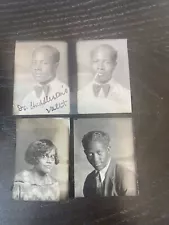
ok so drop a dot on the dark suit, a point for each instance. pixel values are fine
(119, 181)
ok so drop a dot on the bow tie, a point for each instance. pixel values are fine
(40, 89)
(98, 87)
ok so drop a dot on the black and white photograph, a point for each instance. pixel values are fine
(41, 83)
(42, 160)
(103, 76)
(104, 158)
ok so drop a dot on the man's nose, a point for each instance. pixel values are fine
(100, 66)
(95, 157)
(38, 66)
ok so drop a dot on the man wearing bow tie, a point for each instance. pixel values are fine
(108, 177)
(103, 94)
(49, 95)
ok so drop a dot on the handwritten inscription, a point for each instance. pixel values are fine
(57, 106)
(48, 99)
(44, 103)
(22, 108)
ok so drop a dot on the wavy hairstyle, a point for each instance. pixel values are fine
(37, 149)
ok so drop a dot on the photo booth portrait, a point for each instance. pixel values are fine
(103, 76)
(104, 158)
(41, 83)
(42, 160)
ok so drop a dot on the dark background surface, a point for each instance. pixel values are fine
(145, 23)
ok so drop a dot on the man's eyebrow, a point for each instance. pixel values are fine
(94, 58)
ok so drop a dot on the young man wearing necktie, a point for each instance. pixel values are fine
(103, 94)
(108, 177)
(49, 95)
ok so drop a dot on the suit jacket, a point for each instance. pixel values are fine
(56, 102)
(119, 181)
(117, 101)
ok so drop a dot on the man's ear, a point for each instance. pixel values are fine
(109, 148)
(56, 65)
(115, 63)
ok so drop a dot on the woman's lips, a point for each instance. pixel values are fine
(48, 167)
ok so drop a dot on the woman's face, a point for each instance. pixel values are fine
(46, 162)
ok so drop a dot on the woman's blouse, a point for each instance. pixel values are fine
(27, 187)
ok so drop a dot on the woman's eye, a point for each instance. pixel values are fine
(108, 62)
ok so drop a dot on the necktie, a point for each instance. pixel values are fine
(98, 184)
(39, 89)
(98, 87)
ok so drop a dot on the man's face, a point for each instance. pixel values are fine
(102, 65)
(97, 154)
(43, 66)
(46, 162)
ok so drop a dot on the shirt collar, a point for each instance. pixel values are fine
(104, 170)
(110, 82)
(49, 83)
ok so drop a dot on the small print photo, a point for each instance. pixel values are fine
(42, 160)
(103, 76)
(41, 78)
(104, 158)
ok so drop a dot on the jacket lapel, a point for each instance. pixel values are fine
(109, 179)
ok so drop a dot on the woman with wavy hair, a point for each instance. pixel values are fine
(37, 184)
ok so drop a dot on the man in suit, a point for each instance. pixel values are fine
(49, 95)
(103, 94)
(108, 178)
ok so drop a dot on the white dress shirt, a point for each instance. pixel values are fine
(57, 101)
(118, 99)
(104, 171)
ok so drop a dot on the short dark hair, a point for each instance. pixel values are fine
(55, 52)
(37, 149)
(95, 136)
(109, 47)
